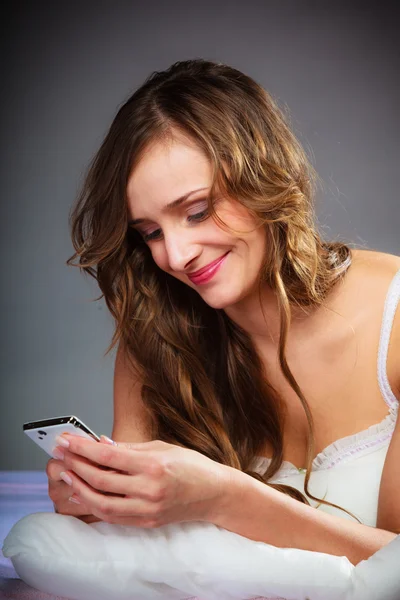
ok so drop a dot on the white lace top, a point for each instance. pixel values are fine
(348, 471)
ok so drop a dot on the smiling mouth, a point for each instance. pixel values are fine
(204, 269)
(206, 273)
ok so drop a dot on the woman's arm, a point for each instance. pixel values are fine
(132, 422)
(259, 512)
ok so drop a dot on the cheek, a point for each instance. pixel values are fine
(261, 241)
(256, 247)
(260, 248)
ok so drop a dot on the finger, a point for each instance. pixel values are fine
(59, 491)
(152, 445)
(60, 498)
(53, 469)
(114, 506)
(120, 458)
(62, 462)
(71, 508)
(106, 440)
(110, 481)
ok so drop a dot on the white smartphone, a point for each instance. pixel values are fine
(44, 432)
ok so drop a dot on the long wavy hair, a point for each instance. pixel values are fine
(203, 382)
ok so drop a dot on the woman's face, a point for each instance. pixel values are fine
(182, 238)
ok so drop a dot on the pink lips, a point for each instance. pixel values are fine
(204, 275)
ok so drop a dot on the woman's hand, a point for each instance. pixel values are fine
(145, 484)
(60, 492)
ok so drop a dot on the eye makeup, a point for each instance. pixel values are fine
(192, 217)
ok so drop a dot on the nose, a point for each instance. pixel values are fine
(181, 249)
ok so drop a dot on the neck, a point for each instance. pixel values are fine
(258, 315)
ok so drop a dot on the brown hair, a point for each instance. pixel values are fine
(204, 383)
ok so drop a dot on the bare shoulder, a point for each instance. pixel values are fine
(375, 263)
(365, 283)
(372, 275)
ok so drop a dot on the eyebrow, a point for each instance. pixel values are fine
(169, 207)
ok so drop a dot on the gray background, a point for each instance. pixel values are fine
(68, 66)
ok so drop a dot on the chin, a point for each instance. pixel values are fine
(222, 300)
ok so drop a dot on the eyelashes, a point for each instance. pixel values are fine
(200, 216)
(195, 218)
(151, 236)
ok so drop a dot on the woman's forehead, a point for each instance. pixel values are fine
(166, 173)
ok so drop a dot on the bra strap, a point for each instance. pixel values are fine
(391, 302)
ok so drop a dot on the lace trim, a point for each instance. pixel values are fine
(392, 299)
(341, 451)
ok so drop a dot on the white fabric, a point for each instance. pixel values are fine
(60, 555)
(63, 556)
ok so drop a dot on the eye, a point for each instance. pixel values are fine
(151, 236)
(200, 216)
(195, 218)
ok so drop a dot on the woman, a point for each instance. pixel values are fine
(247, 345)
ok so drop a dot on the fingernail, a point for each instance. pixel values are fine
(107, 440)
(62, 441)
(58, 453)
(74, 499)
(66, 478)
